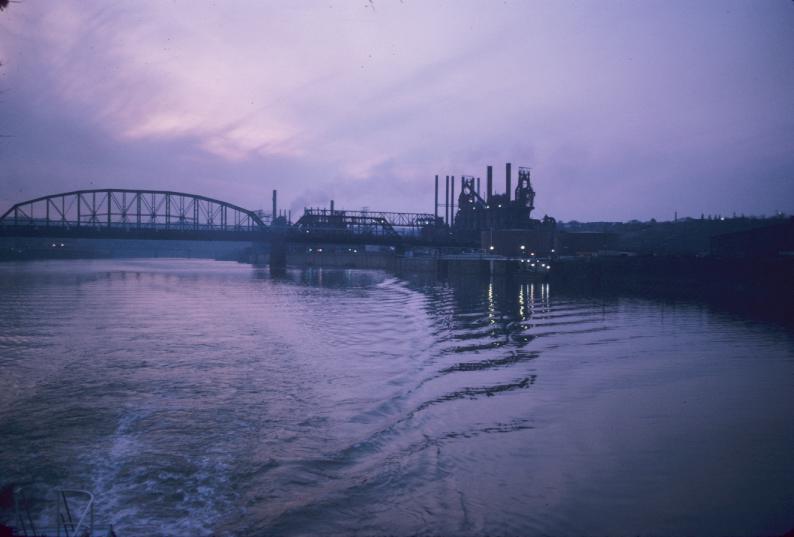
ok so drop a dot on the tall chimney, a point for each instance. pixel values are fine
(436, 209)
(332, 206)
(273, 219)
(478, 186)
(508, 180)
(446, 203)
(452, 199)
(489, 185)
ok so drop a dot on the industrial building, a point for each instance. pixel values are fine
(501, 223)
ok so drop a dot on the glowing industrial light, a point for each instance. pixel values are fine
(552, 250)
(523, 247)
(490, 247)
(61, 245)
(500, 205)
(319, 250)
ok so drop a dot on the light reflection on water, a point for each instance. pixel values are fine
(198, 397)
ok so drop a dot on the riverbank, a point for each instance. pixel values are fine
(761, 281)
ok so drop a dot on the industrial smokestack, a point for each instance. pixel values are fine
(508, 180)
(446, 203)
(478, 186)
(273, 219)
(332, 206)
(436, 209)
(489, 184)
(452, 199)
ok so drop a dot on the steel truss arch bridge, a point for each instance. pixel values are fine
(132, 213)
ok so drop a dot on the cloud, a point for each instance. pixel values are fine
(623, 111)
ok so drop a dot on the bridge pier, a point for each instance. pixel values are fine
(278, 253)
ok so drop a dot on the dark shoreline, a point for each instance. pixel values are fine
(763, 286)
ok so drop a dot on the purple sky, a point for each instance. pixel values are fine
(622, 109)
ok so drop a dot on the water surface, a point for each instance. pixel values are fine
(203, 397)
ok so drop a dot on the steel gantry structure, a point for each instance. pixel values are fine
(377, 225)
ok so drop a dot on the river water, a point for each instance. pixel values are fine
(202, 397)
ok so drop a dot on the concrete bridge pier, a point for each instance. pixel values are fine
(278, 253)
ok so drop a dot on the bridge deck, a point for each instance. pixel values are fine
(167, 215)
